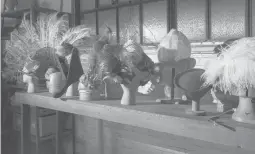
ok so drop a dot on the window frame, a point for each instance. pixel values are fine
(171, 20)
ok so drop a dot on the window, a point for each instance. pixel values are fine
(125, 1)
(253, 17)
(59, 5)
(107, 18)
(90, 21)
(129, 23)
(155, 24)
(228, 19)
(191, 19)
(105, 2)
(87, 4)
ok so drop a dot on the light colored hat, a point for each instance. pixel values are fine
(174, 47)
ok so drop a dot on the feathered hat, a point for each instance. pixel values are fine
(120, 59)
(226, 44)
(233, 71)
(48, 37)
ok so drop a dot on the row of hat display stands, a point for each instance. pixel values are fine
(37, 126)
(33, 129)
(149, 127)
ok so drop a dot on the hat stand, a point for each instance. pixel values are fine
(245, 112)
(167, 75)
(74, 73)
(190, 82)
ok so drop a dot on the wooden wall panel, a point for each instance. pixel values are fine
(124, 139)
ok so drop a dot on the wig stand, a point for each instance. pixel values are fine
(245, 111)
(172, 99)
(130, 90)
(129, 95)
(173, 68)
(195, 109)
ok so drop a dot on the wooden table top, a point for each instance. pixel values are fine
(147, 113)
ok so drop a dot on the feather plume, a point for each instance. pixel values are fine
(51, 29)
(76, 33)
(233, 71)
(27, 40)
(121, 60)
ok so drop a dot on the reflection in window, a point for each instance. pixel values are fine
(129, 23)
(107, 18)
(87, 4)
(228, 19)
(155, 24)
(191, 18)
(253, 17)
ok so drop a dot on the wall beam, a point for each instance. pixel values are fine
(117, 24)
(141, 22)
(104, 8)
(248, 18)
(76, 16)
(208, 20)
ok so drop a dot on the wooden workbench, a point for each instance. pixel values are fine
(147, 127)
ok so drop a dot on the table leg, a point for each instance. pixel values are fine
(172, 84)
(58, 131)
(37, 135)
(73, 133)
(25, 129)
(100, 138)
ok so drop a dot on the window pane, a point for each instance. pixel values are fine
(58, 5)
(253, 17)
(87, 4)
(228, 19)
(107, 18)
(129, 23)
(191, 18)
(90, 21)
(155, 24)
(27, 3)
(105, 2)
(125, 1)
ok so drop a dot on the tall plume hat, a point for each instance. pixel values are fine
(45, 39)
(233, 71)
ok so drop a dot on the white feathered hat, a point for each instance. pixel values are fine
(234, 70)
